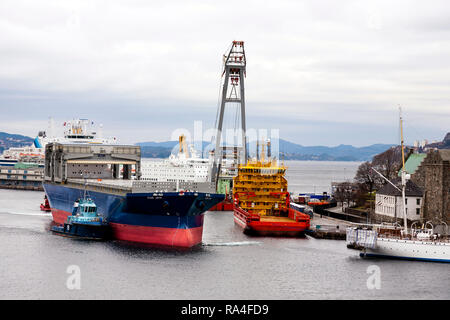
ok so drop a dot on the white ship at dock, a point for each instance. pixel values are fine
(385, 241)
(401, 242)
(75, 131)
(186, 166)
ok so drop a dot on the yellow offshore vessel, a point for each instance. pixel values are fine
(262, 200)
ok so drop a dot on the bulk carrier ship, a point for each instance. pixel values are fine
(151, 212)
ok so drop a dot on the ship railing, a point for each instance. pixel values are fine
(140, 186)
(377, 226)
(101, 186)
(247, 215)
(429, 240)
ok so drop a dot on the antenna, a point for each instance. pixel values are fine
(401, 137)
(404, 178)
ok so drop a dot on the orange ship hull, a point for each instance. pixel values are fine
(294, 225)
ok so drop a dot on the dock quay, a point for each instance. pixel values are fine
(346, 214)
(22, 177)
(328, 228)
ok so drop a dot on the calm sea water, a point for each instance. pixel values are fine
(229, 264)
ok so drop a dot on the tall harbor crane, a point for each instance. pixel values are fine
(234, 72)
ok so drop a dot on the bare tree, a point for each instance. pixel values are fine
(366, 177)
(345, 192)
(389, 162)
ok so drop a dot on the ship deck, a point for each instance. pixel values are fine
(111, 182)
(275, 219)
(140, 186)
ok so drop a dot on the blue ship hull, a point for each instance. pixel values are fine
(169, 219)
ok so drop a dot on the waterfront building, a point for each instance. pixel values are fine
(388, 202)
(22, 176)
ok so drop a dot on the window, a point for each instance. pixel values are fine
(406, 200)
(418, 211)
(418, 201)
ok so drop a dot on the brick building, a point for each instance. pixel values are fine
(436, 168)
(431, 172)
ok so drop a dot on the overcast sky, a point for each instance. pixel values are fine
(323, 72)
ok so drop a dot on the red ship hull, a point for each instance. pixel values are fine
(294, 225)
(182, 238)
(223, 206)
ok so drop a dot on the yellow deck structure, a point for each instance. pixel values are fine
(261, 188)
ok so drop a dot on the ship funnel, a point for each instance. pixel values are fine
(183, 145)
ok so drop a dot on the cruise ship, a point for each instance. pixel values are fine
(75, 131)
(13, 156)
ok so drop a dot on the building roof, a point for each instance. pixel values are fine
(412, 190)
(413, 162)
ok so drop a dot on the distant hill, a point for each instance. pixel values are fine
(160, 149)
(165, 144)
(292, 151)
(444, 144)
(8, 140)
(155, 152)
(288, 150)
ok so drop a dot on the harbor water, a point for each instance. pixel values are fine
(36, 264)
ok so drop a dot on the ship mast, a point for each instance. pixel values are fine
(232, 92)
(404, 177)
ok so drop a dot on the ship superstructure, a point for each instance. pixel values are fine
(261, 188)
(75, 131)
(185, 166)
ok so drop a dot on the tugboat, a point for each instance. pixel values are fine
(84, 223)
(46, 205)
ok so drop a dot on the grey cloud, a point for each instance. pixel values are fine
(352, 61)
